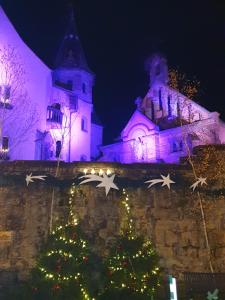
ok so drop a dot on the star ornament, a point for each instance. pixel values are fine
(105, 181)
(200, 181)
(165, 180)
(213, 296)
(30, 178)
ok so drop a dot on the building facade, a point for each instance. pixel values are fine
(46, 114)
(166, 125)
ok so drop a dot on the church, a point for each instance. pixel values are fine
(48, 114)
(165, 126)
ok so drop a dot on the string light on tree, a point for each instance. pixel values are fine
(63, 268)
(132, 264)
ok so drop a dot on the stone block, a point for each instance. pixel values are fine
(6, 236)
(171, 238)
(189, 238)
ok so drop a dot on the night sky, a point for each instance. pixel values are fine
(118, 36)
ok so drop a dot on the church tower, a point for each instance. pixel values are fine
(71, 68)
(73, 77)
(158, 70)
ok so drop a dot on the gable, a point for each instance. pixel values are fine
(138, 125)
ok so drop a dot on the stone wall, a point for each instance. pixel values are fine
(171, 218)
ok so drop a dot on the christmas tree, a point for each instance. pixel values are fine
(66, 269)
(132, 266)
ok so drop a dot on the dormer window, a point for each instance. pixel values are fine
(54, 113)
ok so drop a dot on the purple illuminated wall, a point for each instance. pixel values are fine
(62, 100)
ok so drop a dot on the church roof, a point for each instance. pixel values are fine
(71, 54)
(138, 119)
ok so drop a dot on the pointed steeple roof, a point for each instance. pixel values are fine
(71, 54)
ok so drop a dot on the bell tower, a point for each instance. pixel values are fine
(158, 70)
(71, 69)
(72, 85)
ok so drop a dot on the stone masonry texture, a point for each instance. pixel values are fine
(170, 218)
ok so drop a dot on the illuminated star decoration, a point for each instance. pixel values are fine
(213, 296)
(30, 178)
(165, 181)
(200, 180)
(105, 181)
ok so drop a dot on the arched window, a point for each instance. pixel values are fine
(84, 124)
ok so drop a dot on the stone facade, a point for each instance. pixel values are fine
(171, 218)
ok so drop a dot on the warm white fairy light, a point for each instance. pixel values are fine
(121, 259)
(108, 172)
(100, 172)
(72, 220)
(97, 171)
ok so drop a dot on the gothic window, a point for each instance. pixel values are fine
(84, 90)
(58, 148)
(178, 109)
(160, 100)
(84, 124)
(169, 106)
